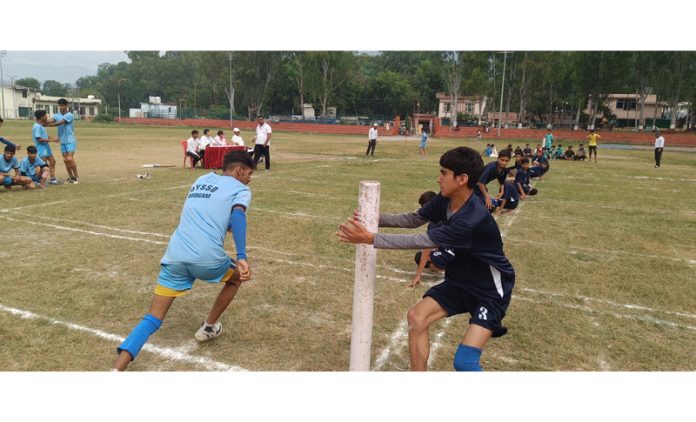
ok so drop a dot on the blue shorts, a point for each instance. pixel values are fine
(43, 151)
(422, 145)
(486, 311)
(35, 178)
(69, 147)
(180, 277)
(7, 181)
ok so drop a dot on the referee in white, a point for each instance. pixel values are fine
(659, 146)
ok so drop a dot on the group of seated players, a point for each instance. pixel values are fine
(515, 185)
(30, 173)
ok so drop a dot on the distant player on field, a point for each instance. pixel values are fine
(64, 119)
(215, 205)
(42, 141)
(592, 139)
(423, 142)
(479, 280)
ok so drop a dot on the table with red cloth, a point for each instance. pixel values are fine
(214, 155)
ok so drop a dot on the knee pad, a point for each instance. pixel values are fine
(467, 358)
(137, 338)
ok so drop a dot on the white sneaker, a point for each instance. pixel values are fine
(208, 333)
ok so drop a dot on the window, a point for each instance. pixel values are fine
(25, 93)
(469, 107)
(446, 107)
(626, 104)
(55, 109)
(91, 111)
(82, 111)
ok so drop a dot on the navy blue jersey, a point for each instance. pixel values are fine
(511, 195)
(489, 173)
(475, 238)
(522, 177)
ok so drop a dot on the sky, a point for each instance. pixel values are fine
(61, 66)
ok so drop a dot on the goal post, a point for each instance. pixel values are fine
(365, 274)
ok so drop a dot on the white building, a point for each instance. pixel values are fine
(18, 102)
(154, 109)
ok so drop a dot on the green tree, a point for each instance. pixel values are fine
(29, 83)
(54, 88)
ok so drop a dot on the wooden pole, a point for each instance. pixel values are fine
(365, 273)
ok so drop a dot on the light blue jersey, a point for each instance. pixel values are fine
(66, 132)
(205, 220)
(7, 166)
(43, 149)
(29, 169)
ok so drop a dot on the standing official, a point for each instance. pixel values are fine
(263, 143)
(659, 146)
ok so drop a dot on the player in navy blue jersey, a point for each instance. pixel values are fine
(522, 180)
(493, 170)
(509, 198)
(478, 280)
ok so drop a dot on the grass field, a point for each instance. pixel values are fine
(605, 260)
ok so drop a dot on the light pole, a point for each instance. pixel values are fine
(502, 92)
(230, 96)
(118, 94)
(2, 83)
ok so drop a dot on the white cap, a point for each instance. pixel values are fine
(235, 129)
(375, 124)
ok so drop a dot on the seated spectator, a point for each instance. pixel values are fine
(509, 148)
(540, 165)
(580, 155)
(558, 152)
(569, 154)
(518, 159)
(236, 137)
(527, 151)
(508, 198)
(494, 151)
(34, 168)
(192, 148)
(219, 140)
(203, 142)
(7, 164)
(518, 150)
(522, 180)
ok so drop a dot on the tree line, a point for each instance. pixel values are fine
(537, 84)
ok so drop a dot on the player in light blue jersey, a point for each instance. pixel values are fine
(8, 163)
(34, 168)
(68, 144)
(215, 205)
(42, 141)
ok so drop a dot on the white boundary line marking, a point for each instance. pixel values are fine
(166, 352)
(95, 225)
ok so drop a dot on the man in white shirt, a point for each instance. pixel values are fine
(263, 143)
(192, 144)
(203, 143)
(659, 146)
(237, 138)
(372, 140)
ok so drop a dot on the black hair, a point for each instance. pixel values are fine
(10, 148)
(63, 101)
(205, 131)
(234, 158)
(193, 132)
(504, 153)
(220, 132)
(39, 114)
(426, 197)
(463, 160)
(524, 160)
(31, 149)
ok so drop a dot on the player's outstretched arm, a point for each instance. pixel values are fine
(353, 231)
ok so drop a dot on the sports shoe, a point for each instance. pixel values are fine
(75, 181)
(208, 333)
(70, 180)
(53, 182)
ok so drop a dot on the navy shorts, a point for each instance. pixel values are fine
(488, 312)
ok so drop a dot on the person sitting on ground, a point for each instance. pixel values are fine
(569, 155)
(435, 259)
(508, 198)
(580, 155)
(540, 165)
(487, 151)
(219, 139)
(494, 151)
(509, 148)
(34, 168)
(558, 152)
(522, 180)
(518, 160)
(537, 150)
(192, 148)
(8, 163)
(237, 138)
(527, 151)
(518, 150)
(493, 170)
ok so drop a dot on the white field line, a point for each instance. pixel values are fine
(100, 226)
(43, 204)
(584, 308)
(293, 214)
(609, 207)
(609, 302)
(137, 239)
(398, 336)
(599, 252)
(165, 352)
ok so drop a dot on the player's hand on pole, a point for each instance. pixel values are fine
(244, 270)
(353, 231)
